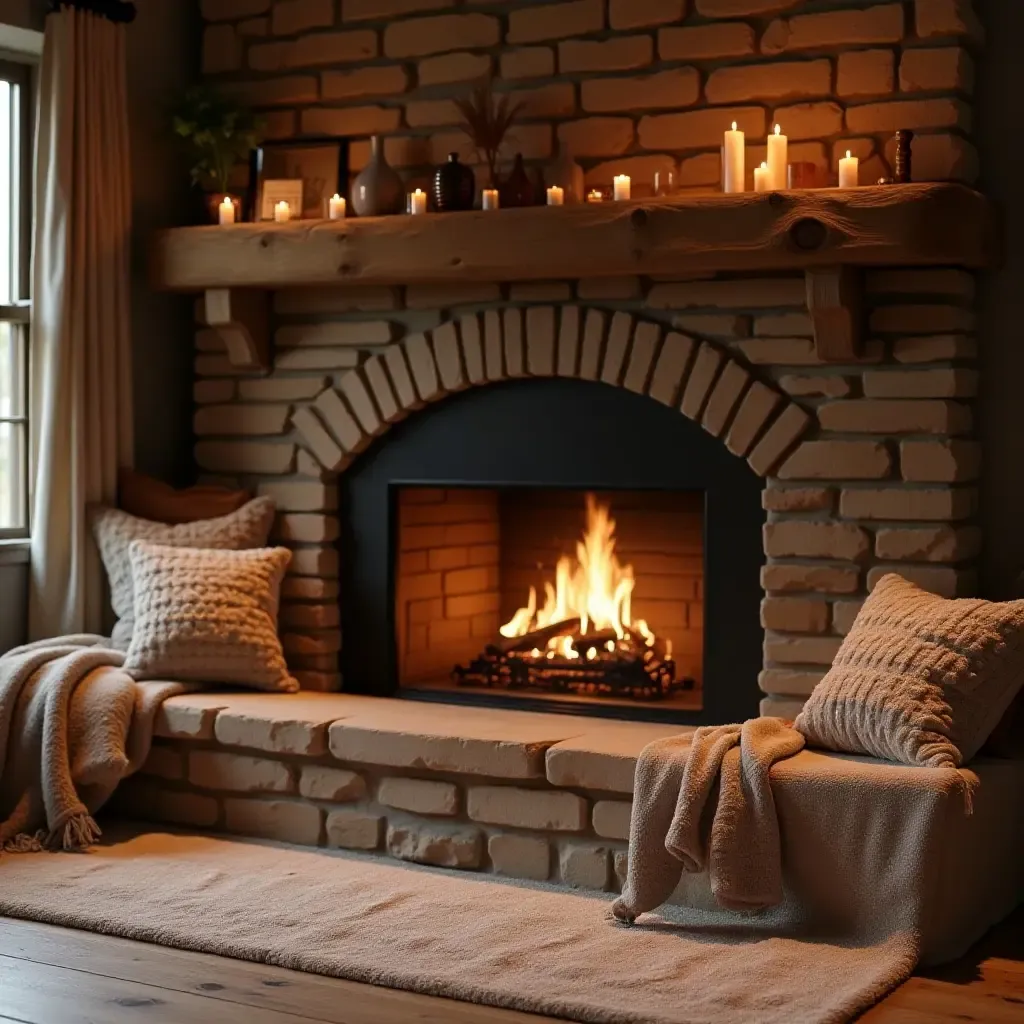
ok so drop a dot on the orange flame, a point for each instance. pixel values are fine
(594, 587)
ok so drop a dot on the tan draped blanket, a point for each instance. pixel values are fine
(72, 726)
(704, 802)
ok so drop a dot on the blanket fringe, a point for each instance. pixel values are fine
(25, 842)
(78, 832)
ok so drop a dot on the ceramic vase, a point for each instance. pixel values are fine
(517, 189)
(454, 186)
(378, 189)
(568, 176)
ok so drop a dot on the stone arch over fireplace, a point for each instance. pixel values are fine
(704, 382)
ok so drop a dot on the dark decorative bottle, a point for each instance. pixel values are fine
(902, 169)
(517, 189)
(454, 185)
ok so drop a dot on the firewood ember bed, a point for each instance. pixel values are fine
(600, 666)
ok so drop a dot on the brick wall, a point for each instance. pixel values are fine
(630, 86)
(869, 466)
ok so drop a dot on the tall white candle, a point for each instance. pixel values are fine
(226, 211)
(762, 178)
(849, 171)
(778, 159)
(621, 186)
(490, 199)
(733, 161)
(282, 212)
(418, 201)
(556, 196)
(337, 208)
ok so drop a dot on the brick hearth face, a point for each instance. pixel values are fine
(868, 467)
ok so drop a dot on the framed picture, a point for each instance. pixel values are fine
(317, 166)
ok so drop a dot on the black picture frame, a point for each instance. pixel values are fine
(287, 158)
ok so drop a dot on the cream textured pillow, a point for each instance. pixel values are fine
(919, 679)
(208, 616)
(114, 531)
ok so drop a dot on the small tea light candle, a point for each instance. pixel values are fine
(282, 212)
(594, 196)
(418, 201)
(226, 211)
(556, 196)
(733, 161)
(490, 199)
(336, 210)
(778, 159)
(849, 171)
(762, 178)
(621, 185)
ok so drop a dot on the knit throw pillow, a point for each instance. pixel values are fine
(919, 679)
(115, 530)
(208, 616)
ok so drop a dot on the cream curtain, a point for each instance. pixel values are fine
(81, 360)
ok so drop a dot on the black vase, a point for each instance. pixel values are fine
(454, 185)
(517, 189)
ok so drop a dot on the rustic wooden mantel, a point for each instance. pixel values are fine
(829, 234)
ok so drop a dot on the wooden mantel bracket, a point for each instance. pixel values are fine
(241, 316)
(835, 299)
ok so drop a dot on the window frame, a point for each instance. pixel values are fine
(19, 312)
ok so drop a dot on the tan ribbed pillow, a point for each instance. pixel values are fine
(114, 530)
(208, 616)
(920, 679)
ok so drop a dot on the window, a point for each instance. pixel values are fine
(15, 310)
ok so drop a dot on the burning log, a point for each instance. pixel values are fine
(590, 641)
(537, 638)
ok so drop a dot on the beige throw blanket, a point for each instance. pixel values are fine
(677, 824)
(72, 725)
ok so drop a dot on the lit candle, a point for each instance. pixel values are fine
(282, 212)
(337, 208)
(556, 196)
(418, 201)
(620, 183)
(849, 171)
(762, 178)
(226, 211)
(594, 196)
(733, 161)
(490, 199)
(778, 159)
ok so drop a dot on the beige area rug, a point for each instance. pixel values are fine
(475, 938)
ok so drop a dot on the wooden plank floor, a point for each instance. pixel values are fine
(56, 976)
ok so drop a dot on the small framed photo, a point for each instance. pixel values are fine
(281, 190)
(314, 169)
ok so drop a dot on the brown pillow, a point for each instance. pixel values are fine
(919, 679)
(149, 498)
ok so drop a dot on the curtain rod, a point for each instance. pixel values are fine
(115, 10)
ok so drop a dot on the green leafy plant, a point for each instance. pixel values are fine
(486, 119)
(220, 132)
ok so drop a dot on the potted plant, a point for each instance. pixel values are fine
(486, 119)
(221, 135)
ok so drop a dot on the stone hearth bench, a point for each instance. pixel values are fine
(547, 797)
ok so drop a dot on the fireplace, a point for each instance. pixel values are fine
(577, 595)
(637, 533)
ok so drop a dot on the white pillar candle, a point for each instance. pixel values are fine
(733, 165)
(282, 212)
(556, 196)
(778, 159)
(418, 201)
(762, 178)
(490, 199)
(621, 184)
(337, 208)
(595, 196)
(849, 171)
(226, 211)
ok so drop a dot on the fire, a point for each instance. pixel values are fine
(595, 587)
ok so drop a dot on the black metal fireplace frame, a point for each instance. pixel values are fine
(618, 441)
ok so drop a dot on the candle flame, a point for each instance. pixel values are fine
(734, 126)
(848, 154)
(778, 129)
(764, 165)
